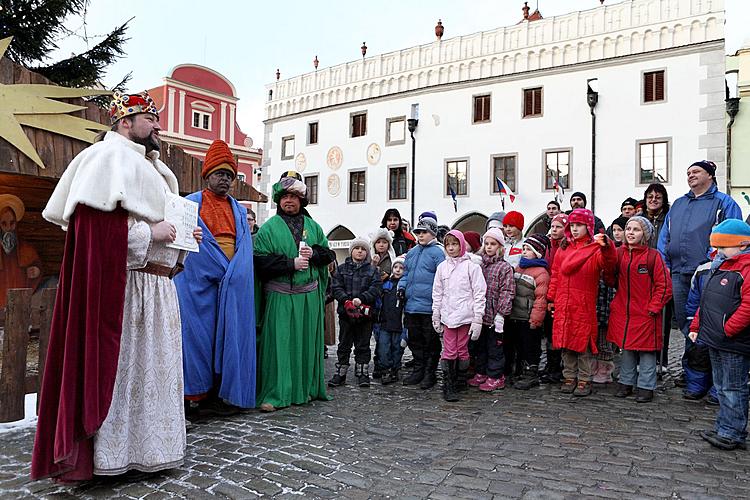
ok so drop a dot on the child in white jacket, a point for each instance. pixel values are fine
(458, 296)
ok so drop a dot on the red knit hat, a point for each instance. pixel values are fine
(473, 239)
(218, 157)
(515, 219)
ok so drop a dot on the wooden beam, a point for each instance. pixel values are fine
(15, 342)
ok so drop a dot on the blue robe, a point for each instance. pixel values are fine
(218, 315)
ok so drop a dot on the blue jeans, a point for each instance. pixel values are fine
(730, 379)
(389, 348)
(680, 291)
(638, 368)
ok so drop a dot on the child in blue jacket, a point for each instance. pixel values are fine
(415, 287)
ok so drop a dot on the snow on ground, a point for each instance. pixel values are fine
(29, 419)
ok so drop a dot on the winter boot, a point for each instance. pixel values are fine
(363, 377)
(430, 374)
(449, 372)
(582, 389)
(416, 375)
(529, 379)
(493, 384)
(462, 367)
(552, 372)
(339, 378)
(477, 380)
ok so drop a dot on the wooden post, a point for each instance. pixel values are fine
(13, 375)
(45, 324)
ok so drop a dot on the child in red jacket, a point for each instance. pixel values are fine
(530, 307)
(723, 323)
(643, 288)
(573, 292)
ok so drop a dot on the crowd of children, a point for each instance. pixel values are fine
(480, 307)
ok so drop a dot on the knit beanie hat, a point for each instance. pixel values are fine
(430, 214)
(579, 195)
(495, 220)
(580, 216)
(621, 221)
(473, 239)
(561, 218)
(706, 165)
(629, 201)
(730, 233)
(646, 226)
(514, 219)
(362, 243)
(218, 157)
(427, 224)
(496, 234)
(539, 243)
(399, 260)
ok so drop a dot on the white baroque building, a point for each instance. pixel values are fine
(511, 102)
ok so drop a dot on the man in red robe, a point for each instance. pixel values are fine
(20, 266)
(111, 395)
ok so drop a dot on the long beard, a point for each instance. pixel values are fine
(9, 242)
(150, 142)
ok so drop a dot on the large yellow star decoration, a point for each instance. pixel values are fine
(33, 105)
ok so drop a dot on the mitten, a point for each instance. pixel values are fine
(351, 310)
(499, 323)
(436, 325)
(475, 330)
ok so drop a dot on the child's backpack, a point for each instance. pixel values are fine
(524, 298)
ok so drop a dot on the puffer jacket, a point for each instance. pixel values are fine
(458, 294)
(698, 281)
(657, 221)
(574, 289)
(643, 289)
(419, 273)
(538, 297)
(684, 239)
(501, 288)
(723, 318)
(356, 280)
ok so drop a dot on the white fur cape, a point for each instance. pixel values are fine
(115, 170)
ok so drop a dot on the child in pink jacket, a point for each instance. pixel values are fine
(458, 296)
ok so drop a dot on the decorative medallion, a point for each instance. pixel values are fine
(334, 184)
(335, 157)
(300, 162)
(373, 154)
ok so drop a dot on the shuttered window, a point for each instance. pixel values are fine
(532, 102)
(653, 86)
(481, 108)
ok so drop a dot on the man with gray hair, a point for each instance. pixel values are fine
(20, 266)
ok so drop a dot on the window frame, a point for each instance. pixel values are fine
(493, 183)
(388, 122)
(540, 88)
(474, 99)
(317, 133)
(285, 155)
(202, 115)
(655, 140)
(352, 115)
(351, 172)
(466, 159)
(310, 200)
(545, 152)
(405, 166)
(643, 86)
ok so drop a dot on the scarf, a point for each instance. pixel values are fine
(524, 263)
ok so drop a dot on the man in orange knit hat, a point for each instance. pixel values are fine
(216, 297)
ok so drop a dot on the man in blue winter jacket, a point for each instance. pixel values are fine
(416, 288)
(684, 238)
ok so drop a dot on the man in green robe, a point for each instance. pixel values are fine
(291, 257)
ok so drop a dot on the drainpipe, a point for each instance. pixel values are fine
(592, 98)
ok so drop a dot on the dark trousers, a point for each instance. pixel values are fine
(355, 334)
(513, 345)
(529, 344)
(488, 353)
(554, 356)
(424, 341)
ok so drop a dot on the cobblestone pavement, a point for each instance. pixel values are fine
(402, 442)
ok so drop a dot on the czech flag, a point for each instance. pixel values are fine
(559, 191)
(505, 190)
(453, 195)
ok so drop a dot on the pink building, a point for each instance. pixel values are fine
(198, 105)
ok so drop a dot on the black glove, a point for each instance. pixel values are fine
(400, 294)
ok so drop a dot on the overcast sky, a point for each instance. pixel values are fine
(246, 40)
